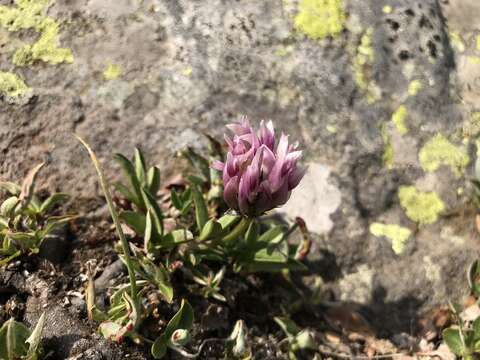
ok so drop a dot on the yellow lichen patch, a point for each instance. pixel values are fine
(30, 14)
(399, 235)
(475, 60)
(477, 42)
(387, 9)
(362, 65)
(187, 71)
(331, 129)
(439, 151)
(414, 87)
(398, 118)
(456, 41)
(283, 51)
(387, 156)
(12, 85)
(421, 207)
(112, 72)
(320, 18)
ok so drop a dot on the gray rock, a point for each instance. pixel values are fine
(191, 66)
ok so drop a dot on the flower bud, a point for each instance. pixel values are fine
(180, 337)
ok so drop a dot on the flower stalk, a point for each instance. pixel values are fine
(116, 220)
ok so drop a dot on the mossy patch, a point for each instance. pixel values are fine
(320, 18)
(112, 72)
(11, 85)
(398, 118)
(421, 207)
(439, 151)
(362, 67)
(31, 14)
(398, 235)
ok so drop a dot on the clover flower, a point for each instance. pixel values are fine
(259, 172)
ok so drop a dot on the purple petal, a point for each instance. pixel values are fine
(267, 134)
(282, 147)
(230, 193)
(218, 165)
(295, 177)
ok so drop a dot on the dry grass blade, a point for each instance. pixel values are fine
(29, 184)
(115, 218)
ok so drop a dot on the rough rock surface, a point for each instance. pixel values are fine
(381, 93)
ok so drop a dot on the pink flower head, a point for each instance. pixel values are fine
(259, 172)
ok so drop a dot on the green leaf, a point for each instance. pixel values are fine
(148, 234)
(212, 229)
(6, 260)
(8, 206)
(140, 167)
(130, 173)
(305, 340)
(10, 187)
(274, 235)
(54, 222)
(201, 212)
(453, 339)
(3, 223)
(153, 180)
(159, 347)
(287, 325)
(158, 276)
(251, 236)
(176, 237)
(476, 328)
(51, 201)
(155, 211)
(228, 221)
(126, 193)
(135, 220)
(176, 201)
(34, 339)
(183, 319)
(13, 336)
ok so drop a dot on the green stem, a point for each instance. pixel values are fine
(116, 220)
(238, 230)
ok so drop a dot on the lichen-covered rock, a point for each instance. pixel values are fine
(381, 93)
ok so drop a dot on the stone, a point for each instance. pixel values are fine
(189, 67)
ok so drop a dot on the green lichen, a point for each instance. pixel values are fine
(387, 156)
(320, 18)
(11, 85)
(439, 151)
(30, 14)
(399, 235)
(398, 118)
(421, 207)
(112, 72)
(414, 87)
(362, 65)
